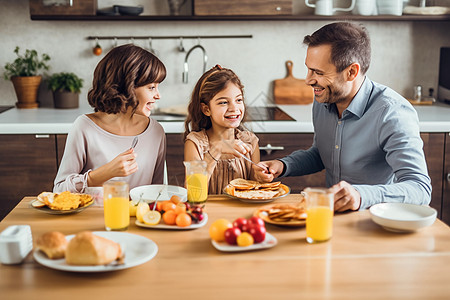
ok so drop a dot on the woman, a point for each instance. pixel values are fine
(98, 147)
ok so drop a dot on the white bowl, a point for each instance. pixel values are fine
(402, 217)
(148, 193)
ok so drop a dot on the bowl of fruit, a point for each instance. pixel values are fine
(241, 235)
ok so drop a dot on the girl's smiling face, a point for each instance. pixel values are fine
(146, 96)
(226, 109)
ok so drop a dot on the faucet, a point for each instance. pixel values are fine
(186, 65)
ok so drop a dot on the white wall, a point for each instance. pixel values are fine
(404, 53)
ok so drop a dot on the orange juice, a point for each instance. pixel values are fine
(117, 213)
(197, 187)
(319, 223)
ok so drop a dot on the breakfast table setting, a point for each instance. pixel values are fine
(361, 260)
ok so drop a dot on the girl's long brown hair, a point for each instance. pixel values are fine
(211, 83)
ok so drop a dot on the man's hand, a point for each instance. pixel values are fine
(271, 169)
(346, 197)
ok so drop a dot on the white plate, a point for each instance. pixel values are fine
(174, 227)
(150, 192)
(138, 250)
(269, 242)
(402, 217)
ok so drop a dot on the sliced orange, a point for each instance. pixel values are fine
(152, 217)
(141, 210)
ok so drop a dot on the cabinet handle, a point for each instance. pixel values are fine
(42, 136)
(269, 148)
(448, 177)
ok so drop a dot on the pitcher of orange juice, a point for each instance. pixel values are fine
(319, 214)
(196, 181)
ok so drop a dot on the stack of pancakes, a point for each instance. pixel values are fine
(286, 212)
(249, 189)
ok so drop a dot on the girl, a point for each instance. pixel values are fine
(98, 147)
(213, 130)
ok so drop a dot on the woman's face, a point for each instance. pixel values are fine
(227, 108)
(146, 96)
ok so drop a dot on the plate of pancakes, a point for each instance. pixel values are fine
(251, 191)
(62, 203)
(283, 214)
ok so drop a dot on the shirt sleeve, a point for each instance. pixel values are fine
(69, 177)
(303, 162)
(399, 138)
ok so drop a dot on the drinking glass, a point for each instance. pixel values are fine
(116, 206)
(196, 181)
(319, 214)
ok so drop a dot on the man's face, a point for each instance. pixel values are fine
(329, 85)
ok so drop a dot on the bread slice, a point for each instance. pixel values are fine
(53, 244)
(87, 248)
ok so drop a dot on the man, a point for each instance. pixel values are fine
(366, 136)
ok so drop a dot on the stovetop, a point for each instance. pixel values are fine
(5, 108)
(267, 113)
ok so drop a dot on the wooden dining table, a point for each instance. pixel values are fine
(361, 261)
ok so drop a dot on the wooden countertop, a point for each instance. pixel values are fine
(361, 261)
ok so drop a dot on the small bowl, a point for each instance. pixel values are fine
(402, 217)
(129, 10)
(150, 192)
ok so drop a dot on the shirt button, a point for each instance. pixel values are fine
(337, 147)
(339, 122)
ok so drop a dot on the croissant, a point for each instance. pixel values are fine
(86, 248)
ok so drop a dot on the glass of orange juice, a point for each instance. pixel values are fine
(196, 182)
(116, 206)
(319, 214)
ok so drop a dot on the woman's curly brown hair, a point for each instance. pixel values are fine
(119, 73)
(211, 83)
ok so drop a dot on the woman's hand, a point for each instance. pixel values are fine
(122, 165)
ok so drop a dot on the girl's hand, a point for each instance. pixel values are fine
(235, 147)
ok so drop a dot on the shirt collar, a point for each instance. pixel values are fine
(359, 102)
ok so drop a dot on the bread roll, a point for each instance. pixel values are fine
(53, 244)
(88, 249)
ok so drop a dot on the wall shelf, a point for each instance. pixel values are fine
(415, 18)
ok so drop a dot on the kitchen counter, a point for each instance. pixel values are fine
(433, 118)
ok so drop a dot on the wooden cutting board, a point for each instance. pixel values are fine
(291, 90)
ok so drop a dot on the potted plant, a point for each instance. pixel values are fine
(65, 87)
(24, 74)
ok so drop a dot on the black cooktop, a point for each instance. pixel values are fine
(267, 113)
(5, 108)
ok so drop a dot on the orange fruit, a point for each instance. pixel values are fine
(217, 229)
(183, 220)
(175, 199)
(180, 208)
(170, 217)
(168, 205)
(159, 205)
(245, 239)
(152, 217)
